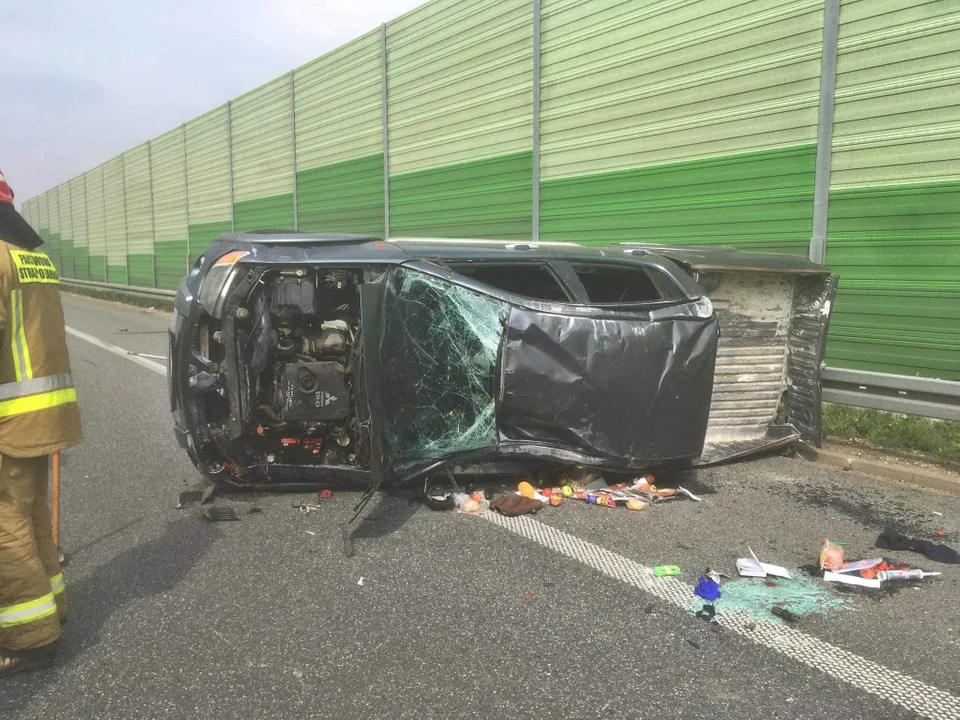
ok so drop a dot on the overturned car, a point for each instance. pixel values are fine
(304, 359)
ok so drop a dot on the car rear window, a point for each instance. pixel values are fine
(531, 280)
(621, 284)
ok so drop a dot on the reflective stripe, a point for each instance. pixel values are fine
(21, 354)
(28, 612)
(57, 584)
(32, 403)
(37, 385)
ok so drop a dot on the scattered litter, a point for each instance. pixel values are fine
(121, 330)
(305, 509)
(859, 565)
(326, 494)
(707, 589)
(885, 575)
(693, 643)
(831, 556)
(514, 505)
(752, 567)
(188, 498)
(360, 582)
(785, 614)
(939, 532)
(467, 505)
(215, 513)
(890, 539)
(311, 532)
(527, 596)
(663, 570)
(938, 514)
(846, 579)
(144, 355)
(634, 504)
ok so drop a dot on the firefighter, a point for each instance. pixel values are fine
(38, 416)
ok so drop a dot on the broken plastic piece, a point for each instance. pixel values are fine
(859, 565)
(707, 589)
(752, 567)
(664, 570)
(215, 513)
(188, 498)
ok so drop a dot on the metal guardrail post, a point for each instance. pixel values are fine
(535, 229)
(828, 87)
(385, 111)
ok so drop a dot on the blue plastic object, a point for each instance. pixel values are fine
(707, 589)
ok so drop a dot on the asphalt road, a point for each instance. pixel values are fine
(462, 616)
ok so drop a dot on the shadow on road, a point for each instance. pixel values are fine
(152, 568)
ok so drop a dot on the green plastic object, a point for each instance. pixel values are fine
(662, 570)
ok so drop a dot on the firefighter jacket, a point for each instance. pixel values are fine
(38, 403)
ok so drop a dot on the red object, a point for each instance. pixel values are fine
(527, 596)
(6, 194)
(939, 533)
(326, 494)
(289, 441)
(546, 492)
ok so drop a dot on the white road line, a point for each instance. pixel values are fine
(116, 350)
(866, 675)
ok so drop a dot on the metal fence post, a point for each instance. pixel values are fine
(153, 219)
(233, 222)
(186, 197)
(293, 144)
(126, 222)
(106, 248)
(828, 87)
(86, 222)
(536, 120)
(385, 107)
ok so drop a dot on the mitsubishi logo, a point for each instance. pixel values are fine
(323, 398)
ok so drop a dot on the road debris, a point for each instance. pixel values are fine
(514, 505)
(752, 567)
(664, 570)
(707, 588)
(219, 513)
(831, 556)
(850, 579)
(890, 539)
(326, 494)
(360, 582)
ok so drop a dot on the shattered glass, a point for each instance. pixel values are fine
(438, 351)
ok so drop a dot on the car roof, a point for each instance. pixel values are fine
(360, 248)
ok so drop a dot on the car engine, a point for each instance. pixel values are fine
(298, 358)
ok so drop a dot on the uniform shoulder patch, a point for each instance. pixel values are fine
(34, 267)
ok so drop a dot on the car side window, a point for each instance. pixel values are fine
(626, 284)
(528, 279)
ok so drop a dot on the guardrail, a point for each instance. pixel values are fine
(894, 393)
(133, 291)
(880, 391)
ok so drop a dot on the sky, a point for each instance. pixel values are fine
(81, 82)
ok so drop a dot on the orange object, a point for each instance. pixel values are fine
(526, 489)
(556, 500)
(939, 533)
(477, 497)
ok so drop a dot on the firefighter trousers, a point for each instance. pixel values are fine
(32, 597)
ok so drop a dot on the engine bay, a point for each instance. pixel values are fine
(293, 339)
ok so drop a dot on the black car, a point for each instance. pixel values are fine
(305, 359)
